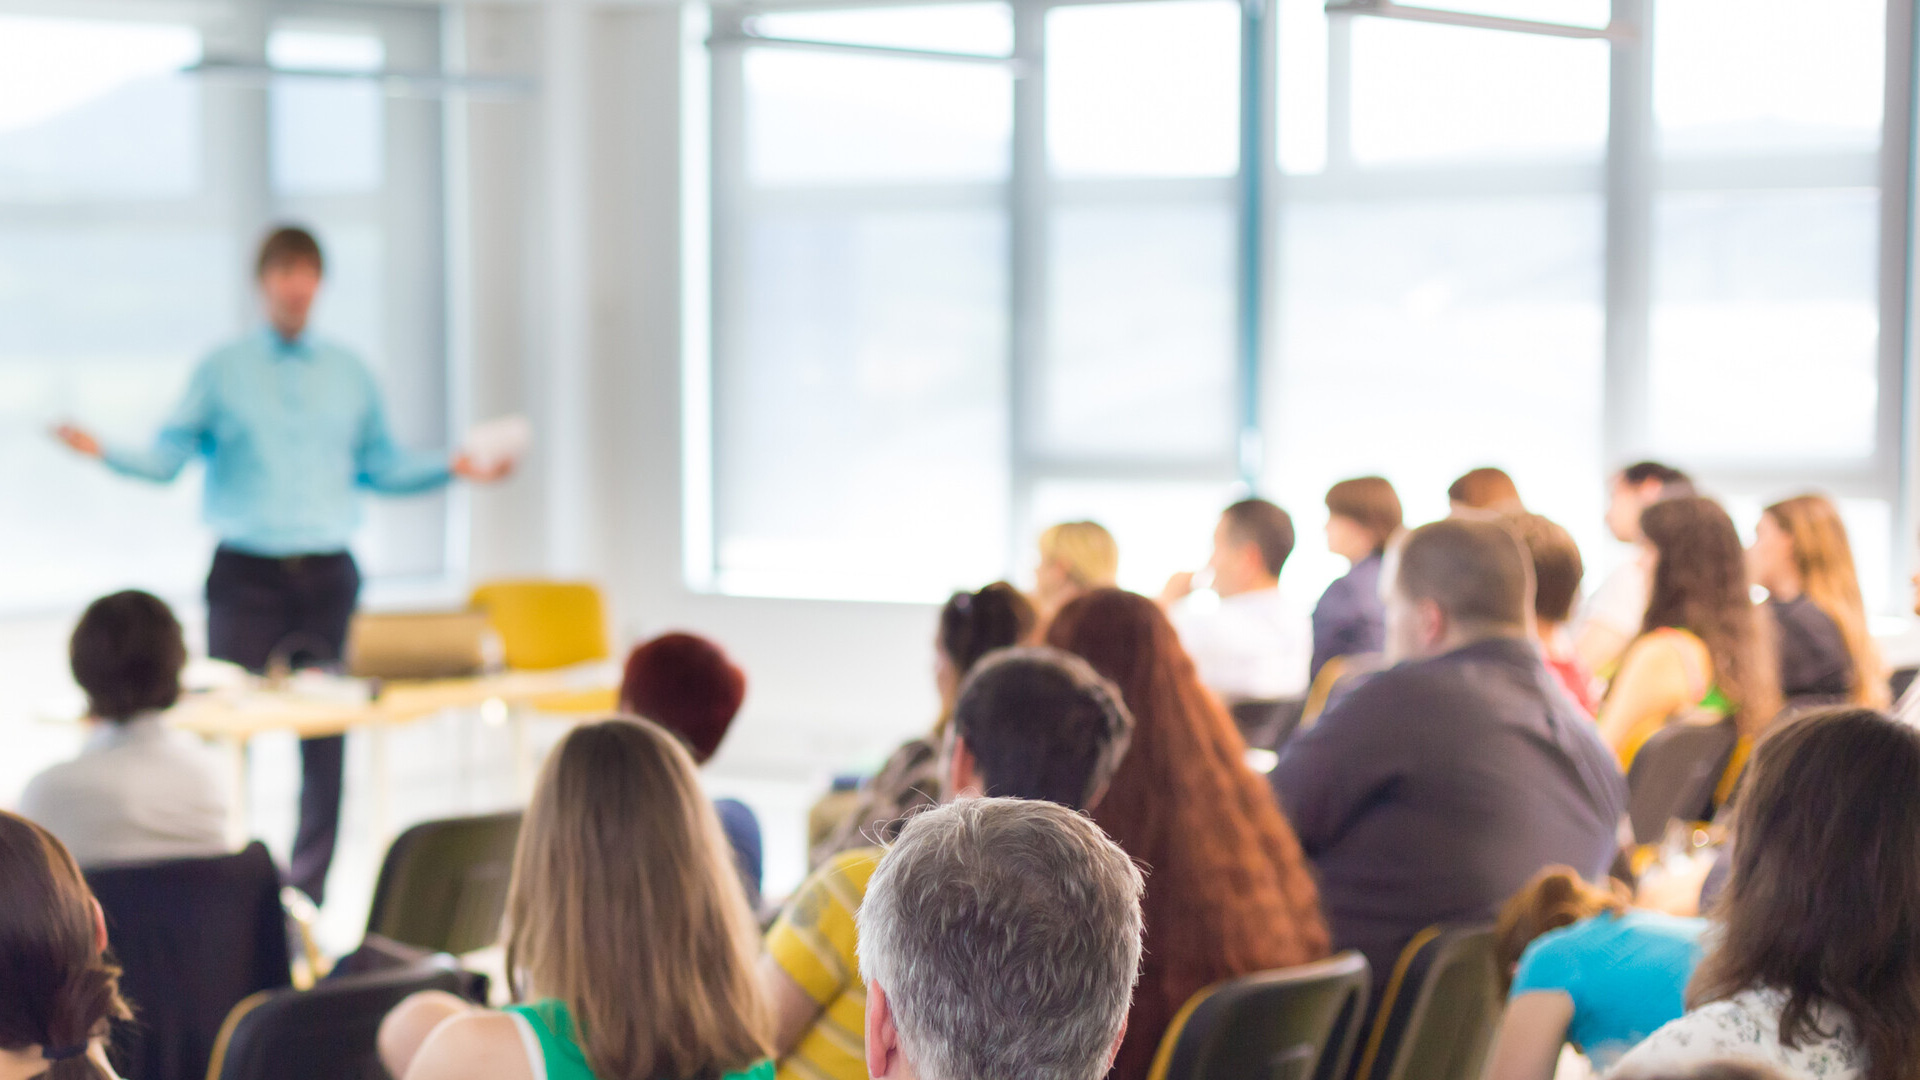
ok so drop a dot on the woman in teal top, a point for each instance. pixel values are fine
(629, 943)
(1590, 971)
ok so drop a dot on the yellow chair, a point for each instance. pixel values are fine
(545, 624)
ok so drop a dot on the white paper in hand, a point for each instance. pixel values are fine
(500, 441)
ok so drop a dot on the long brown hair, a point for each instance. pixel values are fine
(626, 906)
(1700, 585)
(1823, 902)
(1228, 889)
(57, 991)
(1557, 896)
(1824, 559)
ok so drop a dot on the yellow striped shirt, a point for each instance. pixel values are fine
(813, 942)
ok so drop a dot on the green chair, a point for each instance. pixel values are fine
(1295, 1023)
(443, 886)
(1439, 1009)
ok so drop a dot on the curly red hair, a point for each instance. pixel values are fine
(1229, 891)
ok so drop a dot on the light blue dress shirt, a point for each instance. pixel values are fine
(290, 430)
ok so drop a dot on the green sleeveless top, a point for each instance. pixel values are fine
(560, 1056)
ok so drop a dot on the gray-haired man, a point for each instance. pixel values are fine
(999, 940)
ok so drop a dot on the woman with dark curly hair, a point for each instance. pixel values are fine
(57, 990)
(1228, 888)
(1813, 965)
(1703, 653)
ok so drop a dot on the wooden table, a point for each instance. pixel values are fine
(233, 716)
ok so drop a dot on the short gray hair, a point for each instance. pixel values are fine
(1006, 934)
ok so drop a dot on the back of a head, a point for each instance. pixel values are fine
(1557, 896)
(1674, 484)
(1557, 567)
(1371, 503)
(126, 653)
(1476, 571)
(56, 990)
(1265, 526)
(1823, 901)
(1006, 935)
(625, 904)
(973, 624)
(1041, 724)
(687, 685)
(1700, 585)
(1824, 558)
(1085, 550)
(1486, 488)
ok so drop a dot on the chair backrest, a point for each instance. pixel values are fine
(327, 1033)
(1439, 1009)
(545, 624)
(1336, 677)
(194, 937)
(443, 885)
(1674, 775)
(1265, 725)
(1292, 1024)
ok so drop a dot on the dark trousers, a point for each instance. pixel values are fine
(290, 613)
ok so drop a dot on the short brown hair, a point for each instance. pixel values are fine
(126, 654)
(1264, 525)
(1369, 502)
(1475, 570)
(287, 244)
(1486, 488)
(1557, 567)
(687, 685)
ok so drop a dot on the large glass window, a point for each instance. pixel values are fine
(125, 257)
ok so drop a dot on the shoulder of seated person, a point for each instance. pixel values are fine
(481, 1043)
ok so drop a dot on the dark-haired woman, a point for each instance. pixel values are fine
(1228, 888)
(1584, 968)
(57, 990)
(1703, 654)
(972, 624)
(1813, 965)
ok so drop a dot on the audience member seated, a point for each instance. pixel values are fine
(1076, 557)
(1800, 555)
(1363, 517)
(1557, 569)
(1611, 618)
(629, 944)
(971, 626)
(1484, 490)
(1438, 787)
(999, 941)
(1813, 962)
(58, 990)
(687, 685)
(1228, 890)
(139, 791)
(1585, 969)
(1255, 644)
(1029, 723)
(1702, 654)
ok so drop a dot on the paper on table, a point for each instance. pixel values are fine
(500, 440)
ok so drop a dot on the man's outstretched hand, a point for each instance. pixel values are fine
(77, 440)
(466, 468)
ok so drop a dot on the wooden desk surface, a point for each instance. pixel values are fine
(240, 714)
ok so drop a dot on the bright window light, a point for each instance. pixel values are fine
(327, 132)
(982, 29)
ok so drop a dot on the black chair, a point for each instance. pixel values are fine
(1674, 775)
(1900, 679)
(1292, 1024)
(194, 937)
(327, 1033)
(1439, 1009)
(443, 886)
(1266, 725)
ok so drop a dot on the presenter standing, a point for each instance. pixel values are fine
(290, 427)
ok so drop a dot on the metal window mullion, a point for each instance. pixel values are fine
(727, 252)
(1027, 295)
(1256, 148)
(1629, 235)
(1894, 440)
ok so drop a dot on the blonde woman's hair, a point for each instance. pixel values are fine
(625, 905)
(1086, 550)
(1825, 560)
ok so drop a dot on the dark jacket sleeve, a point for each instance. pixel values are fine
(1329, 774)
(1336, 625)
